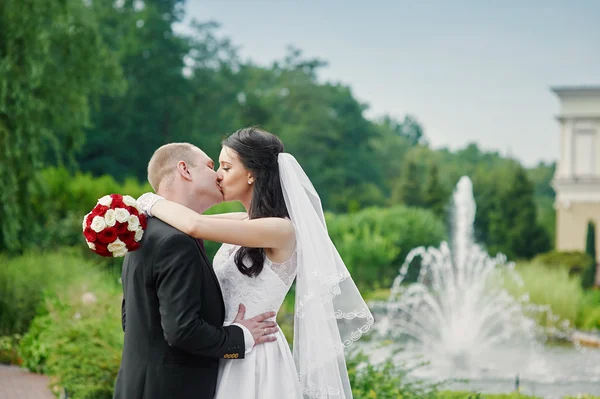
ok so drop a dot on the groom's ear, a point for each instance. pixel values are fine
(184, 170)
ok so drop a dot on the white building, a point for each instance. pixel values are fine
(577, 178)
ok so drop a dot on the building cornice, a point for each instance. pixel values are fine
(572, 190)
(576, 91)
(578, 117)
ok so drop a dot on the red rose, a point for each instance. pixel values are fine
(133, 246)
(132, 210)
(88, 220)
(99, 210)
(89, 234)
(107, 235)
(102, 250)
(128, 238)
(117, 197)
(143, 221)
(121, 228)
(118, 203)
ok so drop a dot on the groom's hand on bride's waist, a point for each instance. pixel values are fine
(260, 327)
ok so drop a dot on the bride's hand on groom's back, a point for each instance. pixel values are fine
(261, 329)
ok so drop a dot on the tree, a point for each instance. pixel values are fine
(435, 196)
(413, 131)
(128, 128)
(54, 64)
(506, 219)
(512, 217)
(408, 190)
(588, 279)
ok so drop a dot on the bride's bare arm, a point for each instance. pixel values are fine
(275, 233)
(230, 215)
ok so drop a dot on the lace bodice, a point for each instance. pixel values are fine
(263, 293)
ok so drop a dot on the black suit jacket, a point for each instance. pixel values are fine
(172, 316)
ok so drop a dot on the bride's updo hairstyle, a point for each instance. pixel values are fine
(258, 151)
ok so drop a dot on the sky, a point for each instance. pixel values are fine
(468, 70)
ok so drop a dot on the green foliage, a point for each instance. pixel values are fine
(374, 242)
(541, 176)
(547, 216)
(77, 341)
(588, 317)
(408, 190)
(23, 281)
(385, 381)
(506, 219)
(588, 279)
(548, 286)
(561, 290)
(50, 73)
(9, 349)
(435, 196)
(574, 261)
(474, 395)
(154, 109)
(58, 221)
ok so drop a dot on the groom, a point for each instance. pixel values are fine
(172, 310)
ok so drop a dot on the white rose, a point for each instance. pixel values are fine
(91, 245)
(129, 200)
(110, 218)
(133, 223)
(84, 223)
(98, 224)
(116, 246)
(119, 254)
(106, 200)
(138, 234)
(122, 215)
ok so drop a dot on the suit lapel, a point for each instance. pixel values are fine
(212, 272)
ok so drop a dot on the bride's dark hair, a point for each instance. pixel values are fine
(258, 150)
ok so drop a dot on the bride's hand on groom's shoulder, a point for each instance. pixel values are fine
(146, 201)
(261, 329)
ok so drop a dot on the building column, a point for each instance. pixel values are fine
(569, 144)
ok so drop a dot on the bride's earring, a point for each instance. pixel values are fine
(249, 181)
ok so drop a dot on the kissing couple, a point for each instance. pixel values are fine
(199, 331)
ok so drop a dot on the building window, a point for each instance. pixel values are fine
(584, 158)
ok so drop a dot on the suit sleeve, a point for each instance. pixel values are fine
(178, 284)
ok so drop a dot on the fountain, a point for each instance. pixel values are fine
(458, 317)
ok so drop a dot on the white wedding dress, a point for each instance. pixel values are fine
(268, 371)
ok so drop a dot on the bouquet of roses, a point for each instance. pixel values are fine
(115, 226)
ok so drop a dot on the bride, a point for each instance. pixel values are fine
(281, 237)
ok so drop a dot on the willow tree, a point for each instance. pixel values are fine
(53, 64)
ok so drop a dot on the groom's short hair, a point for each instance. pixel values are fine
(165, 159)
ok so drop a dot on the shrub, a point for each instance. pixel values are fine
(588, 317)
(384, 381)
(62, 200)
(588, 277)
(9, 349)
(374, 242)
(23, 281)
(574, 261)
(547, 286)
(77, 339)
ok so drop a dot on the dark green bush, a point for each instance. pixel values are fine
(574, 261)
(375, 241)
